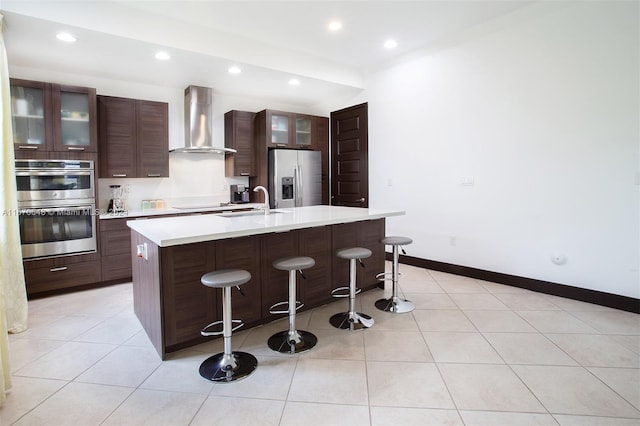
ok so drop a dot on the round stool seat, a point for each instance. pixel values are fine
(396, 241)
(225, 278)
(353, 253)
(293, 263)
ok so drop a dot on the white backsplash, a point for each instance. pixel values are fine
(194, 179)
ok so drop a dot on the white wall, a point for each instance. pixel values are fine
(542, 111)
(193, 178)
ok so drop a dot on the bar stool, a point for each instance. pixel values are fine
(394, 304)
(292, 341)
(229, 365)
(351, 320)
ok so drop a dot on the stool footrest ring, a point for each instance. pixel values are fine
(299, 305)
(206, 333)
(336, 291)
(386, 276)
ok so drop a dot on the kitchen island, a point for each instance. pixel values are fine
(171, 254)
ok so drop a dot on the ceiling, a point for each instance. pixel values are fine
(271, 41)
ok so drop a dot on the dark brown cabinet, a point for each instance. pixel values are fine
(49, 117)
(51, 278)
(275, 283)
(316, 243)
(174, 306)
(188, 306)
(115, 249)
(133, 138)
(238, 134)
(366, 234)
(242, 253)
(280, 129)
(60, 274)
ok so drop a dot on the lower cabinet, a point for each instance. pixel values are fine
(316, 243)
(242, 253)
(115, 249)
(188, 305)
(185, 306)
(47, 279)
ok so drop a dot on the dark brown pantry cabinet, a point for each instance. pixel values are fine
(52, 118)
(133, 138)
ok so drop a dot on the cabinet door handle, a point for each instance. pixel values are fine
(244, 174)
(75, 148)
(58, 269)
(28, 147)
(360, 200)
(153, 174)
(119, 175)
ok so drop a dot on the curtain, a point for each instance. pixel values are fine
(13, 294)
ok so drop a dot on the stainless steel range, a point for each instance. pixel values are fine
(56, 207)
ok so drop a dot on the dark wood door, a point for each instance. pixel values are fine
(117, 136)
(152, 125)
(349, 157)
(243, 253)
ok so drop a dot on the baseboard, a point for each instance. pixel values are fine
(616, 301)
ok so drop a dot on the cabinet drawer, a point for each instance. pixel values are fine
(57, 277)
(116, 267)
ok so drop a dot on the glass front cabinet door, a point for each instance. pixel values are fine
(31, 115)
(51, 117)
(74, 111)
(303, 130)
(279, 129)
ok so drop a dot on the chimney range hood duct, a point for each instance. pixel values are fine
(198, 118)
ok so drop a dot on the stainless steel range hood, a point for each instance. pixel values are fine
(198, 118)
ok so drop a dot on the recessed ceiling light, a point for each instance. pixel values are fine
(163, 56)
(390, 44)
(335, 25)
(66, 37)
(234, 70)
(294, 82)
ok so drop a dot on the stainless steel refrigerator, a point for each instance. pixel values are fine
(295, 178)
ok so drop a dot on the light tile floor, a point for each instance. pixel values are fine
(473, 352)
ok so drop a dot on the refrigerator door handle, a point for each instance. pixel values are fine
(300, 186)
(296, 185)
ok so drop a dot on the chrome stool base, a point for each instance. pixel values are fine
(285, 343)
(399, 306)
(351, 321)
(221, 368)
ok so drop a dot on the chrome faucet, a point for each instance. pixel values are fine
(266, 208)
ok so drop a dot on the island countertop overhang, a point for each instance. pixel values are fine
(172, 231)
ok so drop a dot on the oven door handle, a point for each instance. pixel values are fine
(42, 211)
(54, 172)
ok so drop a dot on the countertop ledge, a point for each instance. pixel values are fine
(172, 231)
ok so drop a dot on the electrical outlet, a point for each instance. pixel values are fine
(127, 188)
(466, 180)
(453, 240)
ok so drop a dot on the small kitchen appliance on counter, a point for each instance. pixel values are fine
(116, 203)
(239, 194)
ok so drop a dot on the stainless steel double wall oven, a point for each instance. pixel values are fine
(56, 207)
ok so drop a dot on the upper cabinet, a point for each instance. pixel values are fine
(238, 134)
(287, 129)
(52, 117)
(134, 138)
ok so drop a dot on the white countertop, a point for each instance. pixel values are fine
(172, 231)
(186, 209)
